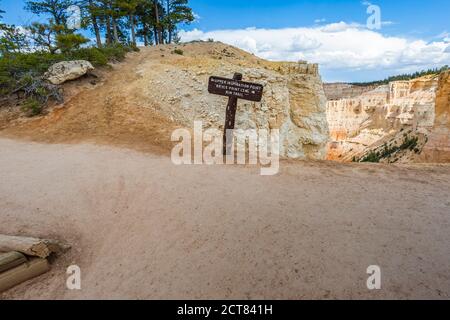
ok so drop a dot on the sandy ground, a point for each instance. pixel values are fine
(141, 227)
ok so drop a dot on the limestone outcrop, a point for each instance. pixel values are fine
(293, 102)
(405, 121)
(67, 70)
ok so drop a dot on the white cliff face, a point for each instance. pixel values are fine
(293, 101)
(385, 121)
(438, 147)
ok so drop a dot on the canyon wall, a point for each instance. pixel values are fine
(438, 147)
(405, 121)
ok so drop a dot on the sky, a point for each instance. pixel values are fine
(412, 34)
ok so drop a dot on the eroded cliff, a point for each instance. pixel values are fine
(405, 121)
(438, 147)
(293, 101)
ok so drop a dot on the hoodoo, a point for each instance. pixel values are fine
(403, 121)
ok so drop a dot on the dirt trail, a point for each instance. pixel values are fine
(143, 228)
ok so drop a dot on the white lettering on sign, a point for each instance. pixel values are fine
(239, 89)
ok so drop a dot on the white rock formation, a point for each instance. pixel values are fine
(293, 101)
(67, 70)
(438, 147)
(381, 117)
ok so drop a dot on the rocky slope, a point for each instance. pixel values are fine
(293, 100)
(405, 121)
(159, 88)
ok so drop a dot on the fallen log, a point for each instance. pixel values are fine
(26, 271)
(11, 260)
(31, 246)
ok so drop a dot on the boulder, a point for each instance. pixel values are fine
(67, 70)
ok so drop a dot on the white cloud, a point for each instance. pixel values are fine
(444, 36)
(197, 17)
(336, 46)
(339, 26)
(387, 23)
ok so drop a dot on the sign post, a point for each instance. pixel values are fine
(234, 89)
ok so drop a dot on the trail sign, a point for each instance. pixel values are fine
(234, 89)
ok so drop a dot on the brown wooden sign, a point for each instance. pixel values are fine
(235, 88)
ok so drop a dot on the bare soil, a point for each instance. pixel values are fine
(143, 228)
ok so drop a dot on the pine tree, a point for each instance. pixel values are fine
(12, 39)
(54, 35)
(44, 36)
(146, 20)
(92, 12)
(2, 25)
(56, 9)
(1, 12)
(177, 11)
(158, 25)
(128, 8)
(122, 21)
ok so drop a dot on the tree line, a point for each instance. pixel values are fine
(26, 52)
(111, 21)
(402, 77)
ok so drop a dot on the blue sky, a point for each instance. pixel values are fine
(411, 16)
(414, 33)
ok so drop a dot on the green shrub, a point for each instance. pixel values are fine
(14, 66)
(93, 55)
(134, 48)
(116, 52)
(178, 51)
(32, 107)
(371, 157)
(21, 73)
(409, 143)
(70, 42)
